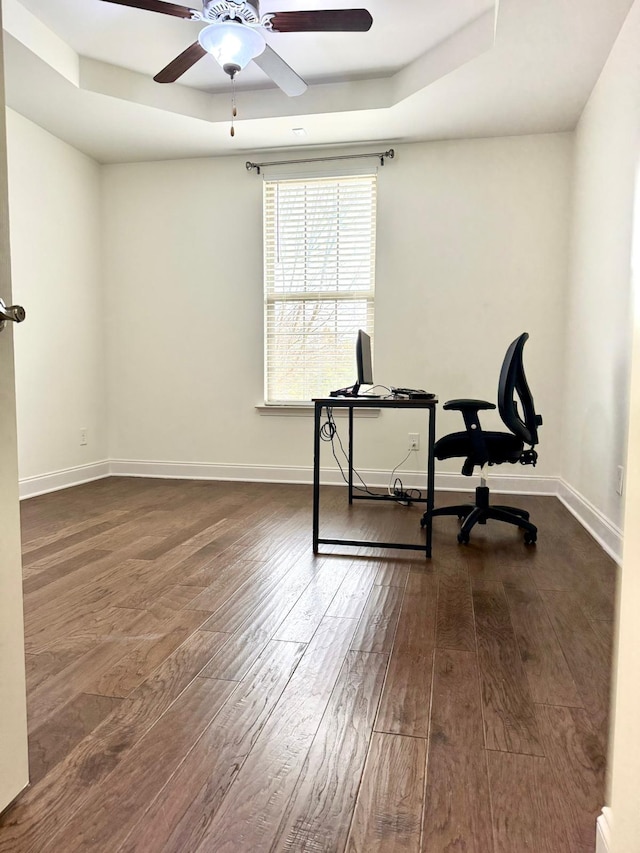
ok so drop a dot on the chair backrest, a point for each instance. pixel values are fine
(514, 382)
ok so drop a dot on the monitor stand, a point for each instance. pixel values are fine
(346, 392)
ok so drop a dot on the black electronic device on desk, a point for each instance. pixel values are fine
(412, 393)
(364, 368)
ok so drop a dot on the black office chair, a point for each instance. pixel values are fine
(480, 447)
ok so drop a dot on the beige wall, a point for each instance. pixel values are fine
(603, 326)
(54, 204)
(472, 250)
(598, 332)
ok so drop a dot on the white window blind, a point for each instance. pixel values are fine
(319, 237)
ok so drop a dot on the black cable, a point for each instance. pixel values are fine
(329, 431)
(377, 396)
(404, 496)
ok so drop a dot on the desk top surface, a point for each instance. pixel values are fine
(377, 402)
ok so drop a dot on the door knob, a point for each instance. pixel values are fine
(15, 313)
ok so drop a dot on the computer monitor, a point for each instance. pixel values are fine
(363, 366)
(363, 359)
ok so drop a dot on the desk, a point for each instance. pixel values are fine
(351, 403)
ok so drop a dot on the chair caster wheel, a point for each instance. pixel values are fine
(463, 538)
(530, 538)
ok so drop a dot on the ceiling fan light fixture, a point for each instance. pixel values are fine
(231, 44)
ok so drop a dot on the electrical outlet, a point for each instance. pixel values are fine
(414, 441)
(620, 483)
(83, 437)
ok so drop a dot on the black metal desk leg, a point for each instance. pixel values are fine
(316, 476)
(430, 476)
(350, 454)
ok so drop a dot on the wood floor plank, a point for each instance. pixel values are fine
(174, 566)
(82, 674)
(579, 765)
(455, 628)
(393, 573)
(222, 596)
(406, 697)
(377, 626)
(319, 814)
(204, 566)
(171, 600)
(303, 619)
(549, 677)
(265, 579)
(61, 612)
(147, 654)
(350, 600)
(388, 810)
(526, 813)
(180, 815)
(56, 738)
(500, 562)
(36, 581)
(67, 543)
(261, 623)
(456, 710)
(509, 712)
(84, 577)
(47, 527)
(43, 808)
(104, 820)
(457, 813)
(251, 812)
(182, 534)
(589, 658)
(42, 666)
(605, 630)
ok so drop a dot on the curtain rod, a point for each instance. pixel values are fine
(390, 154)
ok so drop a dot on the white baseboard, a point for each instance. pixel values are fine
(607, 534)
(30, 487)
(603, 831)
(523, 485)
(604, 532)
(211, 471)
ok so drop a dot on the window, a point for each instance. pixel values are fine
(319, 282)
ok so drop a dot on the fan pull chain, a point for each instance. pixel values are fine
(234, 111)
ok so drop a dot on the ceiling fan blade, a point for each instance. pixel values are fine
(326, 21)
(282, 74)
(180, 64)
(156, 6)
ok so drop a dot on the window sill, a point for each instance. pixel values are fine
(306, 410)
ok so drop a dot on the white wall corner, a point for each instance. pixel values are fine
(52, 482)
(606, 534)
(603, 831)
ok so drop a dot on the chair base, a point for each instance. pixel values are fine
(482, 511)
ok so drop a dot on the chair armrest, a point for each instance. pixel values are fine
(469, 410)
(468, 405)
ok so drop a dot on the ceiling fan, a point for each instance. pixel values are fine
(234, 35)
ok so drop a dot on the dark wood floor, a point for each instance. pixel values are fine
(199, 681)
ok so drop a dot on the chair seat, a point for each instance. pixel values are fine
(501, 447)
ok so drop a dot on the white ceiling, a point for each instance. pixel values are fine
(427, 69)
